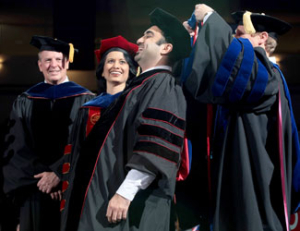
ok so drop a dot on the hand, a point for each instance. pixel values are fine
(188, 28)
(56, 195)
(201, 10)
(117, 209)
(48, 181)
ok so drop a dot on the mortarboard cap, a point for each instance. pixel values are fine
(118, 42)
(174, 30)
(44, 43)
(255, 22)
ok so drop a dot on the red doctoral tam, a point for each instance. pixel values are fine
(118, 42)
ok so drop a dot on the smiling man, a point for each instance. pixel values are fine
(54, 66)
(40, 122)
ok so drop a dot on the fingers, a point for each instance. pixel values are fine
(40, 183)
(117, 209)
(201, 10)
(115, 216)
(56, 195)
(44, 188)
(188, 28)
(48, 189)
(197, 6)
(48, 181)
(59, 195)
(40, 175)
(52, 196)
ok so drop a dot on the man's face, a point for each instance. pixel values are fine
(254, 38)
(54, 66)
(149, 47)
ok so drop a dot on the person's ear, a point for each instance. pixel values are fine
(167, 48)
(264, 36)
(67, 63)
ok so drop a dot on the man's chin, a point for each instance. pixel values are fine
(55, 75)
(137, 57)
(54, 79)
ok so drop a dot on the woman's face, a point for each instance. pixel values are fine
(116, 68)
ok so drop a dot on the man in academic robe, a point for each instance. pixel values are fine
(40, 123)
(125, 175)
(255, 150)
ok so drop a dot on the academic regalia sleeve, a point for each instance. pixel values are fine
(160, 134)
(227, 70)
(75, 139)
(20, 161)
(213, 40)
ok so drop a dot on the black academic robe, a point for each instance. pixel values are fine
(86, 118)
(143, 130)
(40, 123)
(246, 172)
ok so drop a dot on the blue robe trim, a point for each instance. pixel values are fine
(103, 100)
(225, 69)
(260, 83)
(185, 73)
(48, 91)
(296, 147)
(244, 74)
(192, 21)
(188, 64)
(190, 151)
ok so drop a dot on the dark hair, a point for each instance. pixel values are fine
(101, 80)
(168, 39)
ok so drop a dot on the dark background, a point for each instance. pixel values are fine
(86, 23)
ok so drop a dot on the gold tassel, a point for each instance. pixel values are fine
(248, 26)
(138, 71)
(71, 53)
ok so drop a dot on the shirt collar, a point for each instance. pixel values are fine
(159, 67)
(66, 80)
